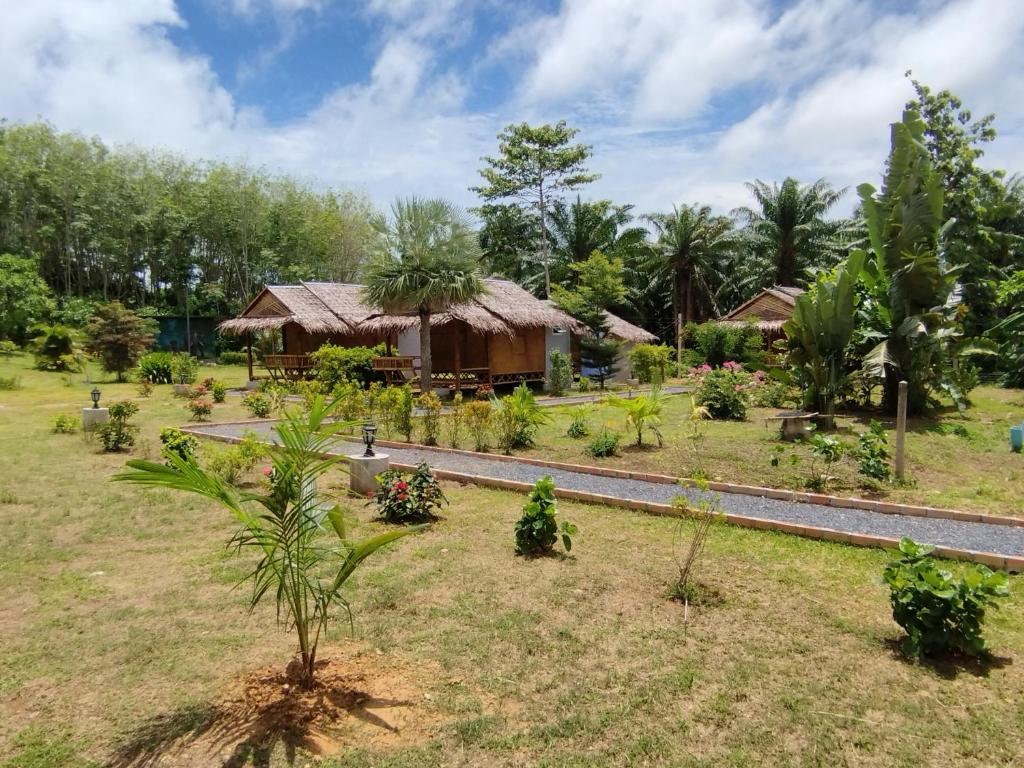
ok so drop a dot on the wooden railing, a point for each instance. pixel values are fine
(288, 366)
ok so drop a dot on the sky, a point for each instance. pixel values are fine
(682, 100)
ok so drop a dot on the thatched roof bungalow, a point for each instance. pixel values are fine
(769, 310)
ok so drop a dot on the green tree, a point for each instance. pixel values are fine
(788, 226)
(118, 337)
(578, 229)
(24, 297)
(534, 166)
(691, 251)
(508, 241)
(429, 263)
(284, 525)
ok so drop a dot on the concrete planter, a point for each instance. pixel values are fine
(93, 417)
(363, 471)
(180, 390)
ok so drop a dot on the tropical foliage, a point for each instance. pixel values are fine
(118, 337)
(538, 529)
(642, 412)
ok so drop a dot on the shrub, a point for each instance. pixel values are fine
(650, 362)
(119, 433)
(715, 343)
(184, 368)
(642, 412)
(388, 404)
(65, 424)
(583, 385)
(517, 417)
(258, 404)
(155, 367)
(217, 389)
(200, 408)
(333, 365)
(938, 613)
(412, 498)
(765, 392)
(233, 357)
(560, 378)
(604, 444)
(118, 337)
(8, 348)
(10, 383)
(873, 452)
(538, 529)
(234, 461)
(351, 401)
(579, 425)
(176, 442)
(431, 420)
(827, 449)
(453, 424)
(144, 387)
(56, 348)
(478, 414)
(403, 418)
(721, 392)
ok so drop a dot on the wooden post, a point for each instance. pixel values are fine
(901, 428)
(679, 345)
(248, 355)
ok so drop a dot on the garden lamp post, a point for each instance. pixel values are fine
(369, 432)
(95, 394)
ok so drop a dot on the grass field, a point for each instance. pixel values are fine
(122, 634)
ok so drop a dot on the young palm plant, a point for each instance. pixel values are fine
(303, 570)
(642, 412)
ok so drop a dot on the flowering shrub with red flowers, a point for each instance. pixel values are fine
(406, 498)
(200, 408)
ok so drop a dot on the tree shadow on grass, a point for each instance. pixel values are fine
(274, 712)
(951, 665)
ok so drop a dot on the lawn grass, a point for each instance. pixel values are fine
(119, 626)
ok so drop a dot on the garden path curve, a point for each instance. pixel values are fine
(1005, 541)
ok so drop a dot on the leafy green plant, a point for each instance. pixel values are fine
(538, 529)
(642, 412)
(583, 385)
(938, 613)
(285, 524)
(454, 422)
(403, 417)
(351, 400)
(232, 357)
(65, 424)
(696, 438)
(715, 344)
(144, 387)
(560, 376)
(118, 433)
(721, 393)
(184, 368)
(233, 461)
(579, 424)
(200, 408)
(118, 337)
(332, 364)
(827, 449)
(179, 443)
(8, 348)
(156, 367)
(517, 417)
(479, 414)
(650, 362)
(258, 404)
(402, 498)
(873, 452)
(604, 444)
(430, 404)
(56, 348)
(217, 389)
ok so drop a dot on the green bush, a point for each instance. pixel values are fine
(430, 404)
(412, 498)
(56, 348)
(560, 378)
(938, 613)
(604, 444)
(873, 452)
(538, 529)
(232, 462)
(176, 442)
(650, 362)
(478, 415)
(715, 343)
(403, 414)
(155, 367)
(579, 425)
(386, 410)
(333, 365)
(8, 348)
(517, 417)
(233, 357)
(583, 385)
(118, 433)
(721, 392)
(258, 404)
(65, 424)
(184, 368)
(453, 424)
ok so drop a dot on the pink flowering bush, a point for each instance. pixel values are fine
(722, 392)
(400, 499)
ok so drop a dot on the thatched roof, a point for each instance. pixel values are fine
(339, 308)
(626, 331)
(768, 310)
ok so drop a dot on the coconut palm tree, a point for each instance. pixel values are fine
(788, 223)
(580, 228)
(429, 262)
(692, 246)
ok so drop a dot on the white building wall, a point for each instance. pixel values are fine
(554, 339)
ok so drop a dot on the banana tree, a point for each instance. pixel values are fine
(820, 330)
(305, 553)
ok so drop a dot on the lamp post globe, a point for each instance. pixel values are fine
(369, 433)
(95, 394)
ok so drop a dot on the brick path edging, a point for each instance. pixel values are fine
(992, 560)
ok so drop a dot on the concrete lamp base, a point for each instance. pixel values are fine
(182, 389)
(93, 417)
(363, 471)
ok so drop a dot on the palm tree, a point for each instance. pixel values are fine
(692, 245)
(429, 263)
(788, 223)
(578, 229)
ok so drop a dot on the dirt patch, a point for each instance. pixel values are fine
(365, 699)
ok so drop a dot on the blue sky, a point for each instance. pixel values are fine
(682, 100)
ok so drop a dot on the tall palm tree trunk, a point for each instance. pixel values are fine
(426, 360)
(786, 272)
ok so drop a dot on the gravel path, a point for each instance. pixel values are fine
(979, 537)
